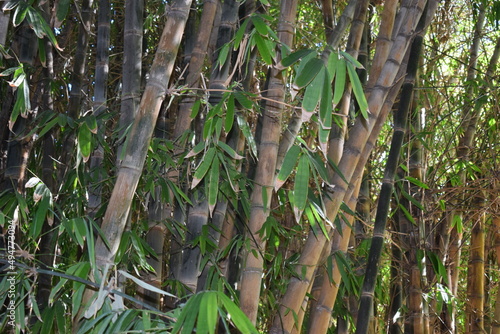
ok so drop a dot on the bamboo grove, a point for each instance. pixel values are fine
(231, 166)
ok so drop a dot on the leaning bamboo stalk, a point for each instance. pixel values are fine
(335, 149)
(334, 40)
(115, 218)
(338, 188)
(400, 124)
(495, 321)
(265, 172)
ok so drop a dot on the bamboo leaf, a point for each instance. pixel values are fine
(333, 59)
(20, 12)
(239, 319)
(260, 25)
(295, 56)
(229, 119)
(213, 184)
(146, 285)
(263, 48)
(195, 109)
(228, 149)
(310, 70)
(62, 9)
(196, 150)
(301, 186)
(39, 218)
(351, 59)
(85, 141)
(289, 162)
(340, 74)
(238, 36)
(248, 134)
(223, 53)
(417, 182)
(243, 99)
(314, 91)
(357, 88)
(203, 167)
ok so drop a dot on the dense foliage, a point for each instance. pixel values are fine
(243, 166)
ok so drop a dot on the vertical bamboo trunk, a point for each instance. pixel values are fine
(495, 321)
(400, 123)
(77, 80)
(132, 68)
(47, 242)
(335, 192)
(264, 178)
(100, 103)
(191, 256)
(475, 273)
(115, 218)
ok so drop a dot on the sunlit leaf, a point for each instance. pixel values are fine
(314, 91)
(301, 186)
(213, 184)
(295, 56)
(309, 71)
(358, 90)
(289, 163)
(85, 141)
(263, 48)
(340, 76)
(203, 167)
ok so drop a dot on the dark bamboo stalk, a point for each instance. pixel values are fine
(400, 121)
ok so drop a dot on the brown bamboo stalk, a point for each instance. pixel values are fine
(474, 310)
(495, 321)
(338, 188)
(130, 171)
(265, 172)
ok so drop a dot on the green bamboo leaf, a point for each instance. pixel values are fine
(309, 71)
(91, 122)
(243, 99)
(417, 182)
(20, 12)
(248, 134)
(60, 317)
(146, 285)
(351, 59)
(85, 141)
(239, 319)
(39, 218)
(196, 108)
(314, 91)
(357, 88)
(333, 59)
(340, 74)
(260, 25)
(301, 186)
(196, 150)
(62, 9)
(238, 36)
(212, 307)
(41, 52)
(412, 199)
(326, 107)
(224, 51)
(213, 184)
(289, 163)
(229, 119)
(229, 150)
(48, 126)
(203, 167)
(263, 48)
(296, 56)
(48, 315)
(78, 226)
